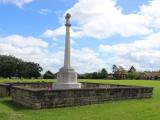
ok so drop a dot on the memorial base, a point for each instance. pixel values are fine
(66, 85)
(66, 79)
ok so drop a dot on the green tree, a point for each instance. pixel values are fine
(9, 66)
(132, 69)
(14, 67)
(32, 70)
(115, 68)
(133, 75)
(94, 75)
(48, 75)
(103, 74)
(118, 72)
(122, 73)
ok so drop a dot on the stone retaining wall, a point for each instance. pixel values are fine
(5, 88)
(96, 93)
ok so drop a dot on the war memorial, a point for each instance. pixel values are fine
(67, 92)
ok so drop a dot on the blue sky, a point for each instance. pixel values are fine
(104, 32)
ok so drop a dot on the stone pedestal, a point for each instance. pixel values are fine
(66, 79)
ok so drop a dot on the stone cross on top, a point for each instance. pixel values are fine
(67, 17)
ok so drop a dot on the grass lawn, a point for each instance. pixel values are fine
(146, 109)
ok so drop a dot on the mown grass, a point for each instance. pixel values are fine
(146, 109)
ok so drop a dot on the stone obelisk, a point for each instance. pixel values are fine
(67, 77)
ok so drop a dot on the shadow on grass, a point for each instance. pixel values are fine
(11, 104)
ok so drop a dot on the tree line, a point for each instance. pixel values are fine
(120, 73)
(11, 66)
(102, 74)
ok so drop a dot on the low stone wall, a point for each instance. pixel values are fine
(5, 88)
(96, 93)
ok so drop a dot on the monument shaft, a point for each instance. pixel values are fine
(67, 47)
(67, 77)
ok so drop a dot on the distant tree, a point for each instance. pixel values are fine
(121, 68)
(9, 66)
(94, 75)
(122, 73)
(141, 75)
(115, 71)
(81, 76)
(118, 72)
(132, 69)
(103, 74)
(32, 70)
(48, 75)
(85, 76)
(88, 75)
(133, 75)
(14, 67)
(115, 68)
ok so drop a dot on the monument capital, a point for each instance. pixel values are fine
(67, 17)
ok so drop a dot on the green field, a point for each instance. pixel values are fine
(146, 109)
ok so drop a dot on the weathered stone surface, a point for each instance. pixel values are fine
(90, 93)
(4, 90)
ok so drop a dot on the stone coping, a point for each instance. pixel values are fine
(4, 84)
(112, 86)
(37, 97)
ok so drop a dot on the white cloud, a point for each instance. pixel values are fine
(21, 41)
(101, 19)
(44, 11)
(86, 60)
(144, 54)
(37, 50)
(61, 32)
(73, 42)
(152, 12)
(105, 19)
(18, 3)
(30, 49)
(150, 42)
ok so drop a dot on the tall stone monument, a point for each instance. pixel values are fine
(67, 77)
